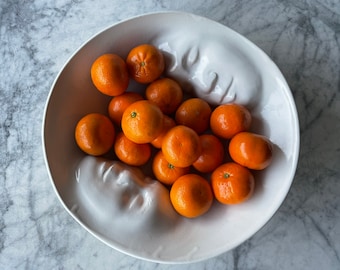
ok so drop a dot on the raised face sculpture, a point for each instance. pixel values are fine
(121, 197)
(213, 69)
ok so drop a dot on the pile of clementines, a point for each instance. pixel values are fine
(202, 152)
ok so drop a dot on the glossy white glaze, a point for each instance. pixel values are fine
(118, 196)
(210, 66)
(251, 79)
(37, 37)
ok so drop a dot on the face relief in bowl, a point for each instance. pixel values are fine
(114, 195)
(120, 205)
(213, 69)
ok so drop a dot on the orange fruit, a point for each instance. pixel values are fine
(194, 113)
(168, 123)
(181, 146)
(131, 153)
(166, 94)
(232, 183)
(118, 105)
(164, 171)
(95, 134)
(145, 63)
(191, 195)
(109, 74)
(212, 154)
(229, 119)
(251, 150)
(142, 121)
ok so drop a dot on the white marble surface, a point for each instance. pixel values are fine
(38, 36)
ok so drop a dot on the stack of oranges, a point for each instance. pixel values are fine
(201, 152)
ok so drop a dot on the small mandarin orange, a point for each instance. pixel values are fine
(191, 195)
(194, 113)
(95, 134)
(251, 150)
(164, 171)
(109, 74)
(166, 94)
(131, 153)
(229, 119)
(145, 63)
(118, 105)
(212, 154)
(142, 121)
(168, 123)
(181, 146)
(232, 183)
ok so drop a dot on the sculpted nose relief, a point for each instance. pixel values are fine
(114, 195)
(213, 69)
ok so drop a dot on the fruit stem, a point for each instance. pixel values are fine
(226, 175)
(170, 166)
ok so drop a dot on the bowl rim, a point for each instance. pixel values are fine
(217, 252)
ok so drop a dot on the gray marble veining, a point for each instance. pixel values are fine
(36, 39)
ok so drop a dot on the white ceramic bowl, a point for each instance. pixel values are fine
(223, 227)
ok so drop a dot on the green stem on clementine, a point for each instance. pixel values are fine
(170, 166)
(226, 175)
(133, 114)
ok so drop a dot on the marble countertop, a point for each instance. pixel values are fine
(37, 37)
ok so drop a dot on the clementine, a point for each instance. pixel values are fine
(191, 195)
(145, 63)
(168, 123)
(142, 121)
(181, 146)
(251, 150)
(95, 134)
(229, 119)
(164, 171)
(118, 105)
(194, 113)
(212, 154)
(166, 94)
(232, 183)
(131, 153)
(110, 75)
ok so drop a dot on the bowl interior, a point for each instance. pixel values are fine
(224, 227)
